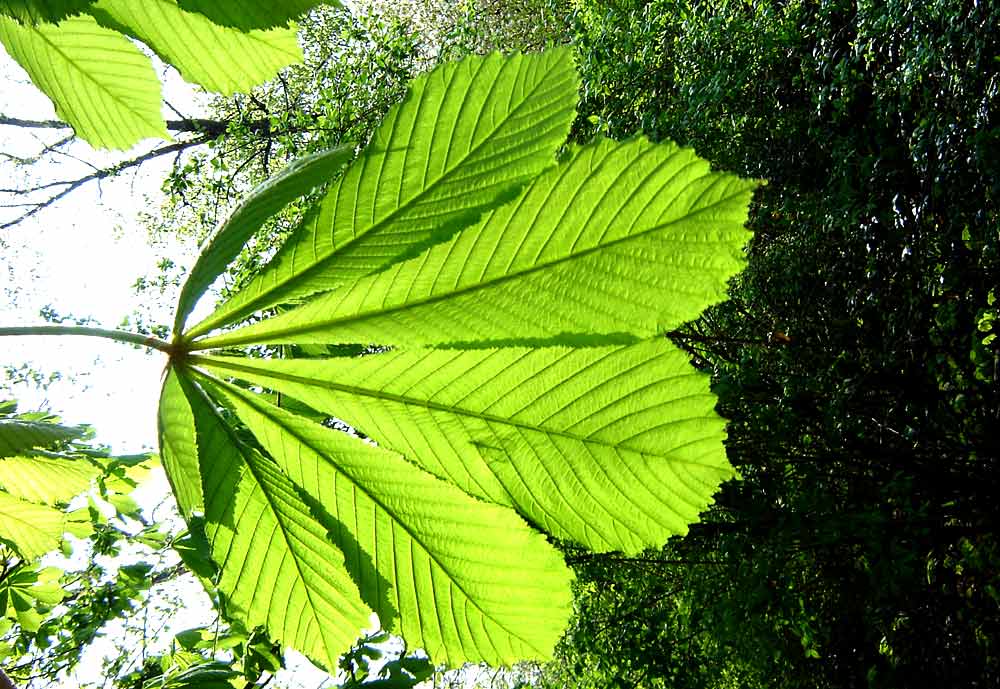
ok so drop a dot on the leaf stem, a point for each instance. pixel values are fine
(117, 335)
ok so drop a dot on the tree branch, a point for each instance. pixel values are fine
(102, 173)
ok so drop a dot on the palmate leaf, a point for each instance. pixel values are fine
(468, 136)
(99, 82)
(31, 529)
(622, 241)
(552, 395)
(617, 448)
(277, 567)
(17, 436)
(464, 579)
(46, 480)
(219, 58)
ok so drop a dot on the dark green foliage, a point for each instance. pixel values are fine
(857, 358)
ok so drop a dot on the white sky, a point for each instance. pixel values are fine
(82, 257)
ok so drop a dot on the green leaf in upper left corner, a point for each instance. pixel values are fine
(98, 81)
(219, 58)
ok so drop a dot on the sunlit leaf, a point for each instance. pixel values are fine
(18, 435)
(46, 480)
(100, 83)
(468, 136)
(32, 529)
(464, 579)
(277, 567)
(267, 199)
(219, 58)
(37, 11)
(617, 448)
(252, 14)
(179, 446)
(621, 242)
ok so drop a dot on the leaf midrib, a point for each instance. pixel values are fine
(229, 339)
(221, 362)
(218, 319)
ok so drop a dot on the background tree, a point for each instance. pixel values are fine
(856, 357)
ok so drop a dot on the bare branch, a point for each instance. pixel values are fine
(71, 185)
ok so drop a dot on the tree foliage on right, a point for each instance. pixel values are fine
(857, 357)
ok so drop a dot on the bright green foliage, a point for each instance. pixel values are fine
(100, 83)
(269, 198)
(32, 530)
(32, 484)
(104, 87)
(46, 480)
(617, 448)
(178, 446)
(26, 593)
(20, 434)
(560, 405)
(468, 136)
(37, 11)
(410, 538)
(622, 241)
(213, 56)
(276, 565)
(252, 14)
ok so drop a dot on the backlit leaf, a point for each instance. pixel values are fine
(100, 83)
(252, 14)
(464, 579)
(32, 529)
(37, 11)
(18, 436)
(277, 566)
(179, 446)
(468, 136)
(267, 199)
(219, 58)
(621, 242)
(46, 480)
(617, 448)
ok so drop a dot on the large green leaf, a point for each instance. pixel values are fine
(46, 480)
(622, 241)
(38, 11)
(252, 14)
(100, 83)
(219, 58)
(277, 566)
(263, 202)
(32, 529)
(617, 448)
(464, 579)
(179, 446)
(20, 435)
(468, 136)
